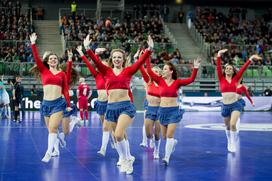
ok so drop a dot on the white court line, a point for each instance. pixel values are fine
(243, 126)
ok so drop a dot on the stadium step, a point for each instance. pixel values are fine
(188, 47)
(49, 38)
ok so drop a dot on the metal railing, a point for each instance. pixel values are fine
(204, 46)
(168, 33)
(184, 70)
(158, 47)
(250, 49)
(204, 81)
(91, 13)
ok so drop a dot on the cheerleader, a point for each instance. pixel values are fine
(231, 109)
(152, 114)
(120, 110)
(100, 105)
(169, 113)
(55, 85)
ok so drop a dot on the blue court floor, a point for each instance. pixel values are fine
(200, 153)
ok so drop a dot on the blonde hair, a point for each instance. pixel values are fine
(124, 57)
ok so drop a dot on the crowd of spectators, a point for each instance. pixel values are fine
(112, 30)
(15, 24)
(17, 52)
(128, 35)
(237, 32)
(150, 10)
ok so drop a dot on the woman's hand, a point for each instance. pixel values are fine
(220, 52)
(197, 63)
(69, 109)
(255, 57)
(150, 43)
(86, 42)
(79, 50)
(100, 51)
(70, 54)
(33, 38)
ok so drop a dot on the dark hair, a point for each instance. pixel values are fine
(74, 74)
(234, 70)
(173, 68)
(35, 71)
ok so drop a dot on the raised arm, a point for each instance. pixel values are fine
(40, 65)
(65, 90)
(69, 66)
(100, 66)
(143, 57)
(142, 70)
(144, 74)
(140, 61)
(153, 76)
(244, 67)
(183, 82)
(218, 64)
(89, 65)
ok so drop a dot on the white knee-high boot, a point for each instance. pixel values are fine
(238, 125)
(228, 138)
(144, 140)
(233, 138)
(105, 140)
(52, 137)
(169, 148)
(156, 153)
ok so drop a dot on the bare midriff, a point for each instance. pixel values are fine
(102, 95)
(51, 92)
(229, 97)
(118, 95)
(153, 100)
(168, 102)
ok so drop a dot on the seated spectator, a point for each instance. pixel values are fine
(234, 29)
